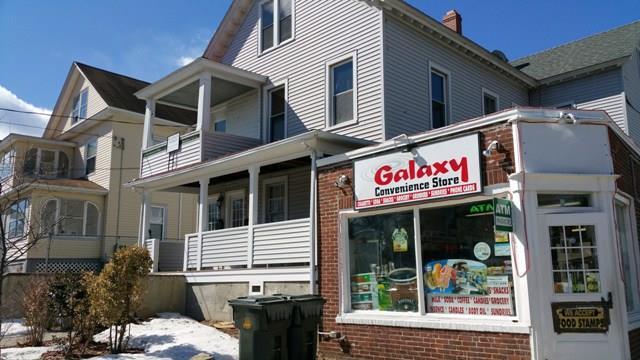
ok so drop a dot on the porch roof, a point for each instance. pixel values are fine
(284, 150)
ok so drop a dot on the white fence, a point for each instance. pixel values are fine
(286, 242)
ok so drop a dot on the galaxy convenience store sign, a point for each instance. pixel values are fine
(437, 170)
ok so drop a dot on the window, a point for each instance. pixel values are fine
(465, 268)
(16, 218)
(277, 114)
(30, 161)
(79, 111)
(574, 259)
(275, 200)
(6, 164)
(66, 217)
(220, 126)
(439, 99)
(274, 31)
(90, 157)
(46, 163)
(63, 165)
(563, 200)
(235, 208)
(489, 102)
(626, 250)
(216, 220)
(341, 92)
(156, 222)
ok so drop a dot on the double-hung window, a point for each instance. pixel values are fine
(439, 98)
(276, 23)
(277, 114)
(79, 110)
(489, 102)
(341, 92)
(156, 222)
(16, 218)
(275, 195)
(90, 157)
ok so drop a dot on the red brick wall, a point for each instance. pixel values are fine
(384, 342)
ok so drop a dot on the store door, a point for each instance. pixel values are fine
(579, 292)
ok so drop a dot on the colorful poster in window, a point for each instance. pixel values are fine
(498, 301)
(400, 240)
(456, 276)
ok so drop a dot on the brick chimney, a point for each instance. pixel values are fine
(453, 20)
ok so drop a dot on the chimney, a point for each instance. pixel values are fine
(453, 20)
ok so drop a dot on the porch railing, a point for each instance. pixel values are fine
(285, 242)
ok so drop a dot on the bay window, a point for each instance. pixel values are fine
(91, 150)
(6, 163)
(46, 163)
(452, 254)
(15, 219)
(70, 218)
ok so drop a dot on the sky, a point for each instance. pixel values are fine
(147, 39)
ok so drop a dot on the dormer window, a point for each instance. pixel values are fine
(79, 111)
(276, 26)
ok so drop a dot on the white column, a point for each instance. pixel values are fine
(147, 131)
(203, 212)
(254, 173)
(312, 224)
(204, 102)
(146, 217)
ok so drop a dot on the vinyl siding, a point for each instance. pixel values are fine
(103, 136)
(324, 30)
(242, 115)
(407, 55)
(631, 82)
(596, 92)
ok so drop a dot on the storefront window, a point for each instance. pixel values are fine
(466, 264)
(574, 259)
(383, 262)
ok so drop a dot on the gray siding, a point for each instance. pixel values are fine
(407, 53)
(631, 79)
(324, 30)
(600, 91)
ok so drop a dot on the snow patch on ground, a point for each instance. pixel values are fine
(13, 327)
(25, 353)
(173, 336)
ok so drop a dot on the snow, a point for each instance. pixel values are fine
(13, 327)
(173, 336)
(25, 353)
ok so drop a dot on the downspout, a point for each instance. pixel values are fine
(119, 144)
(312, 224)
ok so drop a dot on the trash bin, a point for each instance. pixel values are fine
(303, 332)
(263, 322)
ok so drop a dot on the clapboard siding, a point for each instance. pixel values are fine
(298, 186)
(614, 106)
(227, 247)
(95, 103)
(160, 161)
(282, 242)
(242, 115)
(631, 82)
(215, 145)
(407, 54)
(324, 30)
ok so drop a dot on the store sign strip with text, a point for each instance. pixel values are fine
(436, 170)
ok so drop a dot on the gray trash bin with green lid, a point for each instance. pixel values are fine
(263, 322)
(303, 332)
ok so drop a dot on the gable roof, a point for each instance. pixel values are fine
(118, 91)
(606, 47)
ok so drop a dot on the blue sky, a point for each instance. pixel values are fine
(149, 38)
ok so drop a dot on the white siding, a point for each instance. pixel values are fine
(407, 55)
(242, 115)
(95, 103)
(613, 105)
(324, 30)
(225, 247)
(215, 145)
(283, 242)
(631, 79)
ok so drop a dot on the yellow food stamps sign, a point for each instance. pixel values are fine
(580, 317)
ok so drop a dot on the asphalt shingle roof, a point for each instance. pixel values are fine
(118, 91)
(596, 49)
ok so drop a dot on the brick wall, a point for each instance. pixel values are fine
(384, 342)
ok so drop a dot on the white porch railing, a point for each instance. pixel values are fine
(285, 242)
(152, 246)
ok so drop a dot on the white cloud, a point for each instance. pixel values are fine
(184, 60)
(20, 123)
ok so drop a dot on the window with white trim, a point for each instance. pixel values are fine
(439, 86)
(574, 259)
(16, 218)
(157, 222)
(79, 109)
(216, 217)
(276, 27)
(6, 163)
(69, 217)
(277, 117)
(275, 200)
(235, 208)
(489, 102)
(341, 92)
(46, 163)
(91, 150)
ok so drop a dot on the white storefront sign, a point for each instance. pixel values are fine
(436, 170)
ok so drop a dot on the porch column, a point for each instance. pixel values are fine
(312, 224)
(204, 102)
(203, 211)
(147, 131)
(145, 216)
(254, 173)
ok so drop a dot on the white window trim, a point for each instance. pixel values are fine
(276, 26)
(280, 179)
(27, 214)
(11, 154)
(211, 199)
(56, 158)
(492, 94)
(219, 121)
(353, 56)
(84, 220)
(227, 207)
(266, 94)
(85, 207)
(626, 200)
(433, 67)
(86, 156)
(164, 219)
(79, 96)
(421, 319)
